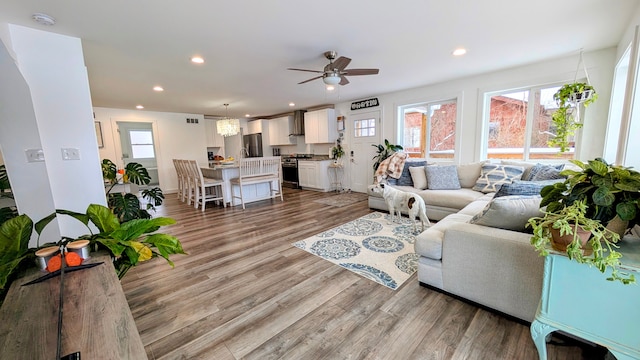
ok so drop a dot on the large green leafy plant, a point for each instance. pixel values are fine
(14, 248)
(129, 242)
(570, 220)
(126, 206)
(607, 191)
(383, 152)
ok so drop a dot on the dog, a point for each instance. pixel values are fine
(398, 200)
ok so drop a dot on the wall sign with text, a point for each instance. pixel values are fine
(364, 104)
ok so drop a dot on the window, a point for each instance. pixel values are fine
(364, 128)
(141, 144)
(429, 129)
(516, 130)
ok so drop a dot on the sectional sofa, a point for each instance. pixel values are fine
(479, 249)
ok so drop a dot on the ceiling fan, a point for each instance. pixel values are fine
(334, 73)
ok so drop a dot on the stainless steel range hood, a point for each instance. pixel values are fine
(298, 123)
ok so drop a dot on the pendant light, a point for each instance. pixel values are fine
(228, 127)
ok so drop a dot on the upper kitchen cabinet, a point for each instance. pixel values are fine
(255, 126)
(213, 138)
(320, 126)
(280, 131)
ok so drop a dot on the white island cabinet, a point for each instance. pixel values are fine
(320, 126)
(252, 192)
(314, 175)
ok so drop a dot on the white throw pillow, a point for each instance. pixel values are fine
(419, 177)
(509, 212)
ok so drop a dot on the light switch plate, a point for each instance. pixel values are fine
(34, 155)
(70, 154)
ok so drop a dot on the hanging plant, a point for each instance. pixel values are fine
(566, 117)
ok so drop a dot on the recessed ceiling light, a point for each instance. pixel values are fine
(139, 107)
(158, 88)
(459, 52)
(292, 104)
(247, 115)
(43, 19)
(197, 60)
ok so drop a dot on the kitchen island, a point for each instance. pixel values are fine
(251, 192)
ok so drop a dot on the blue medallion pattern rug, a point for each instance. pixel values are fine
(370, 246)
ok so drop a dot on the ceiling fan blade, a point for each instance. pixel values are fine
(351, 72)
(313, 71)
(313, 78)
(343, 80)
(341, 63)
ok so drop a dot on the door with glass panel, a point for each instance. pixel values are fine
(136, 140)
(364, 133)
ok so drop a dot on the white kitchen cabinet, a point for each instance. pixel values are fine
(320, 126)
(314, 175)
(255, 126)
(213, 138)
(279, 130)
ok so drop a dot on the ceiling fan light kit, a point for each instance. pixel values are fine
(336, 71)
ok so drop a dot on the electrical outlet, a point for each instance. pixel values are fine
(34, 155)
(70, 154)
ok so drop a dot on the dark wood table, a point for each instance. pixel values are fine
(97, 320)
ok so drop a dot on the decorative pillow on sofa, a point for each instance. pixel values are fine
(545, 172)
(469, 173)
(405, 178)
(493, 175)
(521, 187)
(418, 176)
(509, 212)
(444, 177)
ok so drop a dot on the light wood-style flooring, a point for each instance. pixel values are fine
(244, 292)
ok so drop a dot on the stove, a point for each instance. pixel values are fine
(290, 169)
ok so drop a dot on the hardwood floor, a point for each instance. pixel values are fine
(244, 292)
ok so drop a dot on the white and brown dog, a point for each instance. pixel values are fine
(398, 200)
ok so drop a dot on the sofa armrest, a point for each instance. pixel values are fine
(494, 267)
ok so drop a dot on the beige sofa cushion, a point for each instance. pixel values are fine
(456, 199)
(509, 212)
(469, 173)
(418, 176)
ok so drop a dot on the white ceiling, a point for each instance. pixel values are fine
(131, 46)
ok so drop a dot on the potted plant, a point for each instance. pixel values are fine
(610, 193)
(383, 152)
(337, 152)
(568, 98)
(14, 249)
(583, 239)
(127, 206)
(129, 242)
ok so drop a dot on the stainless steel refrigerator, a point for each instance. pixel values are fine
(252, 145)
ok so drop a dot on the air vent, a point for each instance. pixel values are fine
(192, 121)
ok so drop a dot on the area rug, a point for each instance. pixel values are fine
(370, 247)
(341, 200)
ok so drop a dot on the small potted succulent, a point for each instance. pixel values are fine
(568, 97)
(582, 238)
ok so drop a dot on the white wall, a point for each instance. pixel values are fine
(174, 139)
(53, 67)
(469, 92)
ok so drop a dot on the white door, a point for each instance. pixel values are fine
(365, 132)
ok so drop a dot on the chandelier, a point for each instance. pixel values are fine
(228, 127)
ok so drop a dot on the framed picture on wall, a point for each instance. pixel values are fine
(340, 123)
(99, 134)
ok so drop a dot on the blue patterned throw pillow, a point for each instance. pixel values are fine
(545, 172)
(492, 176)
(442, 177)
(527, 188)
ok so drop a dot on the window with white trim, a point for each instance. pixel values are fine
(515, 130)
(141, 144)
(429, 129)
(364, 128)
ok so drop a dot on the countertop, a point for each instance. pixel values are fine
(315, 158)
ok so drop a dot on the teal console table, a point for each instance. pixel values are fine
(578, 299)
